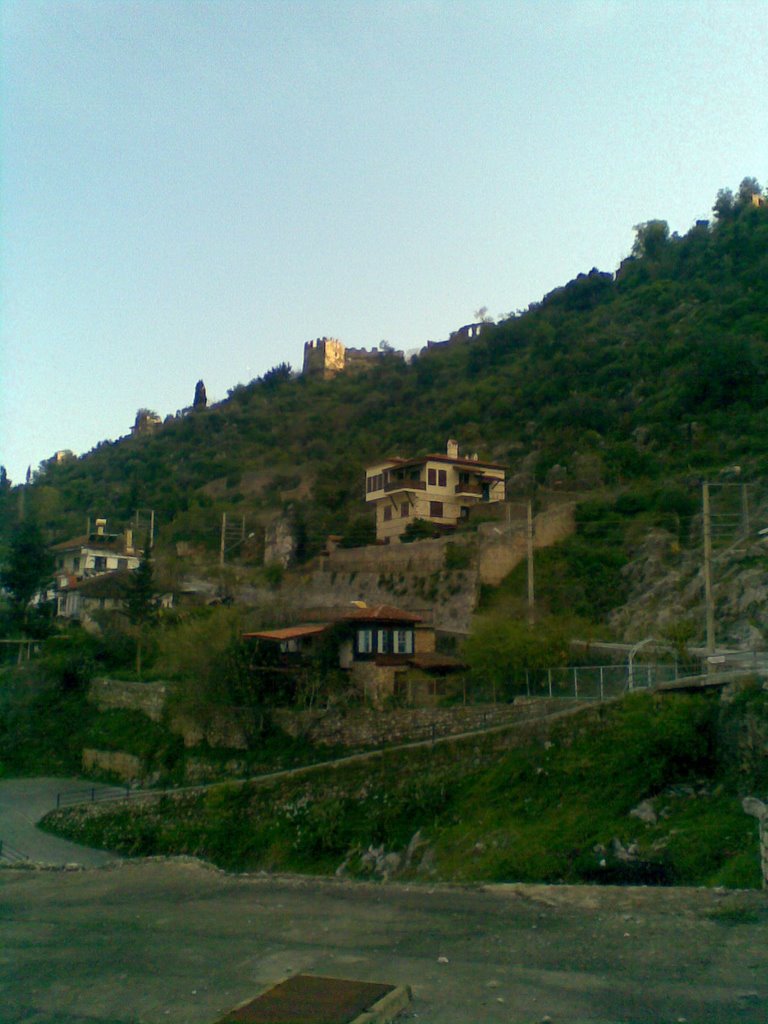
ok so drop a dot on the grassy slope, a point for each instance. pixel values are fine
(533, 814)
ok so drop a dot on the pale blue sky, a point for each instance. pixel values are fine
(195, 189)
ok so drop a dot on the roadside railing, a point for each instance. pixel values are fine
(91, 795)
(11, 854)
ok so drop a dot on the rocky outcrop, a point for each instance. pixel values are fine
(759, 810)
(127, 767)
(666, 588)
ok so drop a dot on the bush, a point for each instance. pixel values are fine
(500, 651)
(457, 556)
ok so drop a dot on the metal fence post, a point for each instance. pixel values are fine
(527, 684)
(601, 682)
(576, 682)
(549, 679)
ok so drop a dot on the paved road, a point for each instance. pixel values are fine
(144, 942)
(23, 802)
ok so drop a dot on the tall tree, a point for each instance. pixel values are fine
(651, 238)
(201, 399)
(27, 571)
(141, 602)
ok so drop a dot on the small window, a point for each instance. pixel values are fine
(122, 563)
(364, 641)
(403, 641)
(387, 513)
(76, 564)
(436, 509)
(431, 477)
(442, 478)
(405, 509)
(384, 641)
(100, 563)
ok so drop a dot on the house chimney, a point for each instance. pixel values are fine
(452, 449)
(129, 542)
(101, 526)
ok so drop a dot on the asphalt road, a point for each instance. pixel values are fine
(23, 802)
(144, 942)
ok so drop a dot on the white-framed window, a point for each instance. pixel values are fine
(403, 641)
(383, 643)
(364, 641)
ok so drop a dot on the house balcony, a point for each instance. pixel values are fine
(473, 490)
(404, 485)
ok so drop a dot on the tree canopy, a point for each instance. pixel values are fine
(27, 570)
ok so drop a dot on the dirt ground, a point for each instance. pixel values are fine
(144, 942)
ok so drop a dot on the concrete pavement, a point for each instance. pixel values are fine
(144, 942)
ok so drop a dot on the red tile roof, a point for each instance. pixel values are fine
(107, 584)
(289, 633)
(106, 543)
(460, 461)
(380, 613)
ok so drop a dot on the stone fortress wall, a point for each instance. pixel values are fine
(325, 357)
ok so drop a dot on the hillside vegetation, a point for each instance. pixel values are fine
(656, 371)
(553, 812)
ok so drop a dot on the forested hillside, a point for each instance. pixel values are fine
(657, 370)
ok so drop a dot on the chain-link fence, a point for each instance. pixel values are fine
(594, 682)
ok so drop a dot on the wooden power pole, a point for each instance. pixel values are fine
(708, 598)
(531, 596)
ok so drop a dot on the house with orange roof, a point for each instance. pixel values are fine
(387, 651)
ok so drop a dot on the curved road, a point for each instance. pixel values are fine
(23, 802)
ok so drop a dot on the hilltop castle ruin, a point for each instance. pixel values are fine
(325, 357)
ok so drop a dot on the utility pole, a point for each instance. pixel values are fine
(223, 537)
(531, 597)
(708, 598)
(150, 531)
(744, 510)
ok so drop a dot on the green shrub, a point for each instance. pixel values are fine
(457, 556)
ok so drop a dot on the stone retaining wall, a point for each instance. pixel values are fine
(364, 727)
(127, 767)
(148, 698)
(503, 548)
(759, 810)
